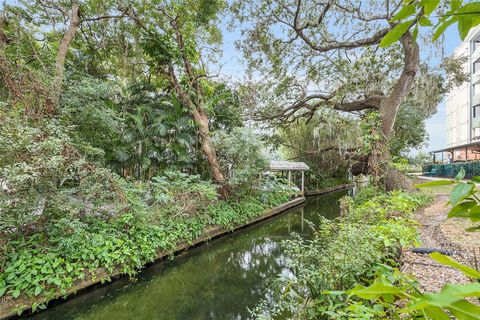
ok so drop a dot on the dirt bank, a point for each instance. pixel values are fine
(436, 231)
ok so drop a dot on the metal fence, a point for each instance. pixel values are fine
(472, 168)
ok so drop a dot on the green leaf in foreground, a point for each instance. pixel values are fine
(16, 293)
(460, 191)
(445, 260)
(2, 291)
(460, 174)
(377, 289)
(436, 313)
(465, 310)
(395, 34)
(38, 289)
(450, 295)
(425, 22)
(465, 209)
(405, 12)
(430, 5)
(473, 229)
(440, 29)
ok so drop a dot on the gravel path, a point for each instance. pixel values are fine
(438, 232)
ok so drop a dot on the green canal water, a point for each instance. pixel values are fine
(219, 280)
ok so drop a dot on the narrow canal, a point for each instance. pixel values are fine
(219, 280)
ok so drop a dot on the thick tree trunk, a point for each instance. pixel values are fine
(197, 111)
(389, 106)
(201, 119)
(63, 49)
(379, 161)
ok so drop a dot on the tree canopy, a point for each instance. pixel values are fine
(309, 56)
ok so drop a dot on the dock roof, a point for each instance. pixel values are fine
(288, 166)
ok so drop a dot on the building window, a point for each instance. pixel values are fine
(476, 111)
(476, 43)
(476, 66)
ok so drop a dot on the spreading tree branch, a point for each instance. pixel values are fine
(306, 107)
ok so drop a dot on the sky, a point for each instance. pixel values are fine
(234, 67)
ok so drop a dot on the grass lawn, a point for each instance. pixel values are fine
(437, 190)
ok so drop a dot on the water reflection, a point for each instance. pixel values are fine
(220, 280)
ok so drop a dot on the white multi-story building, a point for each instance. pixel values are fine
(463, 104)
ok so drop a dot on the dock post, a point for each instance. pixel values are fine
(303, 184)
(302, 218)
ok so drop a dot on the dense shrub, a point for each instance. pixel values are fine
(153, 217)
(43, 177)
(342, 253)
(240, 153)
(316, 181)
(177, 193)
(89, 107)
(229, 214)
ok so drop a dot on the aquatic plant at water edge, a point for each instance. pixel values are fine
(344, 252)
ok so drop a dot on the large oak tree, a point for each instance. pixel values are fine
(325, 54)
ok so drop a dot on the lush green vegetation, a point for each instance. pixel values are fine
(117, 141)
(355, 275)
(320, 182)
(351, 250)
(457, 300)
(157, 216)
(107, 156)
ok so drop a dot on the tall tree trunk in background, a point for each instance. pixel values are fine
(3, 37)
(201, 119)
(308, 30)
(197, 110)
(379, 160)
(4, 68)
(62, 51)
(389, 107)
